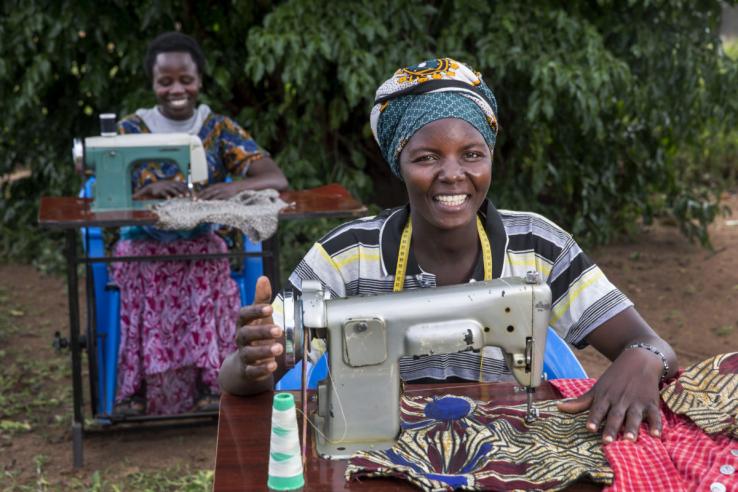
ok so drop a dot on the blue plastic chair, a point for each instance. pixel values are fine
(558, 362)
(107, 305)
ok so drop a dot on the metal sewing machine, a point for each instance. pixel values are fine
(112, 158)
(358, 405)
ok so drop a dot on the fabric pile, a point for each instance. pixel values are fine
(451, 442)
(255, 213)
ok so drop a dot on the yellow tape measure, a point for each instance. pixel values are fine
(404, 253)
(486, 250)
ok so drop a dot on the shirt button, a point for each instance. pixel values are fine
(727, 470)
(717, 487)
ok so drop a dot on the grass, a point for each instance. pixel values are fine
(724, 330)
(174, 479)
(31, 390)
(35, 397)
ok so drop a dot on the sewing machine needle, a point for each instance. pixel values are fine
(532, 413)
(191, 188)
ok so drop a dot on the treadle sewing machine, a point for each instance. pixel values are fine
(112, 158)
(358, 404)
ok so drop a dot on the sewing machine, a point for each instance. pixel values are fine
(112, 159)
(358, 404)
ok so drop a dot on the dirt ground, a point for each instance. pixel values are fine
(687, 293)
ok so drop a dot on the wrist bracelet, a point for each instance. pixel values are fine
(653, 350)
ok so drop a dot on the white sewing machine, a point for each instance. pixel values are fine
(358, 404)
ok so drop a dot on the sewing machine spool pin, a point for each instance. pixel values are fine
(358, 405)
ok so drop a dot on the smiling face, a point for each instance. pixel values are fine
(176, 83)
(447, 168)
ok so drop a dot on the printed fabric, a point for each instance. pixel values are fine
(177, 321)
(453, 442)
(445, 446)
(420, 94)
(707, 393)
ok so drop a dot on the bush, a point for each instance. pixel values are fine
(600, 102)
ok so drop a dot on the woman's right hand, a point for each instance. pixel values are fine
(164, 188)
(257, 335)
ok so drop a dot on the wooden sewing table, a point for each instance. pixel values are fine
(244, 427)
(70, 214)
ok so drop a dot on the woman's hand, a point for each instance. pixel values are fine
(628, 391)
(221, 191)
(250, 369)
(625, 395)
(257, 335)
(164, 188)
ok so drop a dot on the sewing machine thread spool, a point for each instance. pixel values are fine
(107, 125)
(285, 460)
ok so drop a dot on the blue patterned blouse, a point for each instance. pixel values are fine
(228, 147)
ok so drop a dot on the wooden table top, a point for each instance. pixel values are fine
(66, 212)
(244, 427)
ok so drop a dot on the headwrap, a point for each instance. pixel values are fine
(423, 93)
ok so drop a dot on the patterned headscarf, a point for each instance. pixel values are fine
(423, 93)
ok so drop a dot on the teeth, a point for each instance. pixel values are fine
(453, 200)
(178, 102)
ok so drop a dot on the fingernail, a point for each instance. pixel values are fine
(629, 436)
(265, 309)
(655, 432)
(607, 439)
(276, 349)
(276, 332)
(591, 426)
(272, 366)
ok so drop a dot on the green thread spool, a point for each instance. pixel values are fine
(285, 460)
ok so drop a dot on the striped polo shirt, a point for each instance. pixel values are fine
(359, 258)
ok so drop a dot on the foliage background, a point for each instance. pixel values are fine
(610, 110)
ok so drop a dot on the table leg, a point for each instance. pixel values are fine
(76, 350)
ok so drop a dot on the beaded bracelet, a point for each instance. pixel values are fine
(653, 350)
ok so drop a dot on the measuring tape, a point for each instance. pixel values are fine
(404, 253)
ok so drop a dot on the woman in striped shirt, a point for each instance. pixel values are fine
(436, 125)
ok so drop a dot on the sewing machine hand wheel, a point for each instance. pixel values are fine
(293, 330)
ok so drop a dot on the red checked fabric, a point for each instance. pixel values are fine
(685, 458)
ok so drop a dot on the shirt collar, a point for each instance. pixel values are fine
(389, 241)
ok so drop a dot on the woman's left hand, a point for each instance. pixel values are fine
(220, 191)
(625, 395)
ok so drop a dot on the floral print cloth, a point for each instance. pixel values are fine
(177, 323)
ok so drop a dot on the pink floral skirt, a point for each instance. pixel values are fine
(177, 321)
